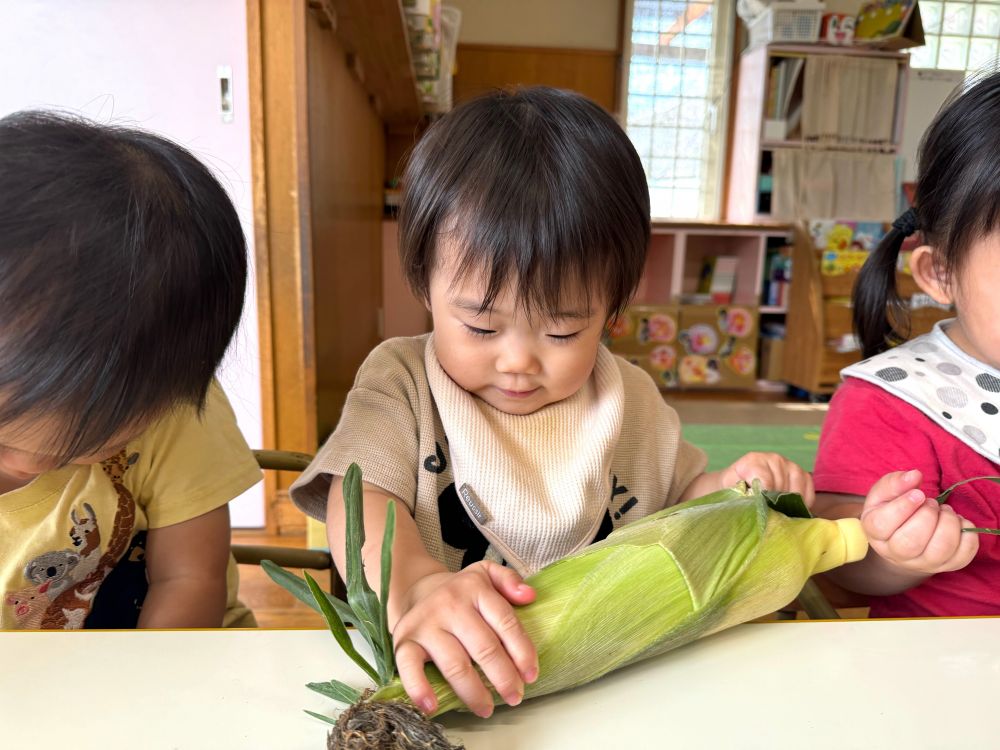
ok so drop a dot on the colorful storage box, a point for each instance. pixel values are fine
(646, 335)
(717, 346)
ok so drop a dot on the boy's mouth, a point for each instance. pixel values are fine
(517, 394)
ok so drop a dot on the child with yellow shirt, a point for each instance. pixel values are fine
(122, 273)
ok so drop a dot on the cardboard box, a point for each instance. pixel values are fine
(717, 346)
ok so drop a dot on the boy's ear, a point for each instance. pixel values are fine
(930, 275)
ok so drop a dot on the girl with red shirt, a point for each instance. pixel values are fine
(917, 417)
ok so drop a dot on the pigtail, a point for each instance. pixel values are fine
(880, 317)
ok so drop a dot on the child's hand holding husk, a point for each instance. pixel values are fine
(773, 471)
(918, 536)
(460, 620)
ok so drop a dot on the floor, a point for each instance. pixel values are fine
(274, 608)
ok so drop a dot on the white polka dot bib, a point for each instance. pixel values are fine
(960, 393)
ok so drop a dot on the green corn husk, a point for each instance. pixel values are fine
(680, 574)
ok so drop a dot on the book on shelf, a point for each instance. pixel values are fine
(777, 277)
(784, 98)
(724, 279)
(717, 279)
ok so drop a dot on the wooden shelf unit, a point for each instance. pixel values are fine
(820, 311)
(375, 36)
(677, 252)
(743, 202)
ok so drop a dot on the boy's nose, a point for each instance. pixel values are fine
(517, 359)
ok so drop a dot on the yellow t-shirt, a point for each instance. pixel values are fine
(72, 542)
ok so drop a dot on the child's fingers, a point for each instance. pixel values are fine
(410, 660)
(500, 616)
(483, 645)
(892, 486)
(758, 466)
(943, 546)
(967, 543)
(772, 471)
(967, 548)
(452, 659)
(882, 519)
(509, 583)
(776, 472)
(800, 481)
(911, 539)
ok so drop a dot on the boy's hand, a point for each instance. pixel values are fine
(913, 532)
(460, 619)
(774, 472)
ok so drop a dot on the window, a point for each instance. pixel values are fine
(960, 35)
(679, 56)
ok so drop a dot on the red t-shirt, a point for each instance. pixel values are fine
(869, 433)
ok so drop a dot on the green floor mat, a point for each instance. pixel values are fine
(724, 443)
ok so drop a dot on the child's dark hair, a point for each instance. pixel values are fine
(122, 274)
(957, 202)
(540, 187)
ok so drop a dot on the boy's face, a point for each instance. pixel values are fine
(512, 362)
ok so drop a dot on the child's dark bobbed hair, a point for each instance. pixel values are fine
(957, 202)
(123, 269)
(535, 187)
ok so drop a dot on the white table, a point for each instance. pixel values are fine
(866, 684)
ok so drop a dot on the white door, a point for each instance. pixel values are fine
(153, 64)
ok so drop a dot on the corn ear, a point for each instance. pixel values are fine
(680, 574)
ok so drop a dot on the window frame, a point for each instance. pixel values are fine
(719, 102)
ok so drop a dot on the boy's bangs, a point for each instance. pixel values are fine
(553, 268)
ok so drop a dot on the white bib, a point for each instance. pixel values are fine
(960, 393)
(536, 485)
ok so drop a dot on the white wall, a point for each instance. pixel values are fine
(151, 63)
(928, 90)
(581, 24)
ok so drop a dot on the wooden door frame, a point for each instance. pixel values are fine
(279, 145)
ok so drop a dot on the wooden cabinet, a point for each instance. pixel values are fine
(820, 314)
(678, 251)
(836, 112)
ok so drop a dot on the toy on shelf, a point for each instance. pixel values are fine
(838, 28)
(845, 244)
(889, 24)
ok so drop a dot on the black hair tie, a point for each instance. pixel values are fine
(907, 223)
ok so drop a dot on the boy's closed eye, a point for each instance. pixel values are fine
(478, 331)
(563, 337)
(557, 337)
